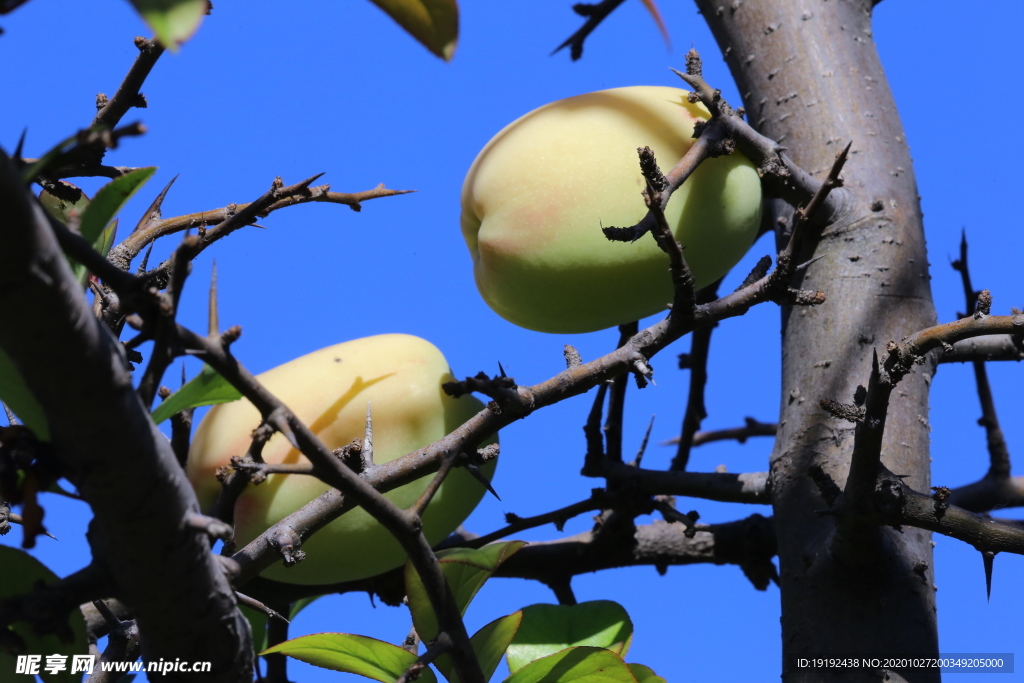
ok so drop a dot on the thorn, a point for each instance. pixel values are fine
(153, 213)
(367, 451)
(277, 420)
(501, 369)
(21, 144)
(987, 557)
(145, 261)
(643, 444)
(808, 263)
(310, 180)
(182, 373)
(475, 471)
(214, 320)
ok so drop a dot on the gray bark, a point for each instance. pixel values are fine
(811, 79)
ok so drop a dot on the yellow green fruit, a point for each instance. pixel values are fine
(535, 199)
(329, 389)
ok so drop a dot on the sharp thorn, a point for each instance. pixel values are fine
(501, 369)
(21, 144)
(987, 557)
(145, 261)
(475, 471)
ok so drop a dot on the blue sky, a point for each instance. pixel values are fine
(338, 88)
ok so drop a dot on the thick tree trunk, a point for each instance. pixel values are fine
(104, 442)
(811, 79)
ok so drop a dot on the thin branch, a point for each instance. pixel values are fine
(617, 402)
(162, 330)
(751, 487)
(751, 428)
(595, 14)
(696, 410)
(999, 453)
(442, 645)
(749, 543)
(780, 176)
(996, 348)
(301, 193)
(259, 607)
(597, 501)
(129, 93)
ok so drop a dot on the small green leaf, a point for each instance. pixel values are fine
(21, 572)
(352, 654)
(62, 200)
(15, 393)
(435, 23)
(98, 226)
(644, 674)
(576, 665)
(547, 629)
(173, 21)
(466, 570)
(205, 389)
(106, 240)
(489, 644)
(109, 200)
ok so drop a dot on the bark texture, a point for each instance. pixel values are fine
(811, 79)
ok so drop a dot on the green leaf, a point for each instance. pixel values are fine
(21, 572)
(98, 226)
(205, 389)
(644, 674)
(173, 21)
(15, 393)
(109, 200)
(465, 569)
(62, 200)
(489, 644)
(106, 240)
(435, 23)
(547, 629)
(352, 654)
(576, 665)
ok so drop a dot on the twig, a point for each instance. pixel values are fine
(749, 543)
(696, 410)
(597, 501)
(442, 645)
(617, 402)
(301, 193)
(996, 348)
(780, 176)
(999, 453)
(741, 434)
(595, 14)
(260, 607)
(162, 330)
(129, 93)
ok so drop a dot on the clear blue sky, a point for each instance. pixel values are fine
(269, 88)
